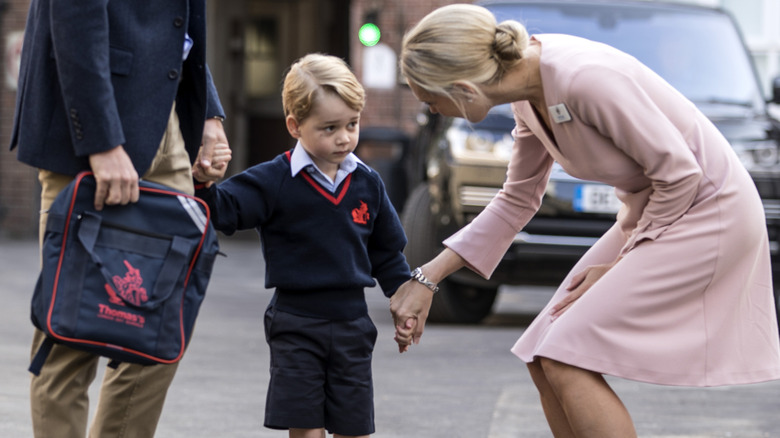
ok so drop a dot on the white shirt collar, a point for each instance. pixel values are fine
(300, 160)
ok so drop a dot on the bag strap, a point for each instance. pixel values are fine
(43, 353)
(175, 261)
(40, 356)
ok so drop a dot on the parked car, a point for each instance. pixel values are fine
(456, 167)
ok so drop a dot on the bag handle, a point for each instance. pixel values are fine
(175, 261)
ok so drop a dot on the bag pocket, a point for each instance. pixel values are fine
(108, 298)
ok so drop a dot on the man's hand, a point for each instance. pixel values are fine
(214, 154)
(117, 179)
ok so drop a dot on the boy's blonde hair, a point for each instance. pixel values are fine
(313, 74)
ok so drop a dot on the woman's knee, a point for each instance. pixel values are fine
(555, 371)
(559, 374)
(535, 369)
(548, 364)
(538, 376)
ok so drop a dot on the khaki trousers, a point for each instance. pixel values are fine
(131, 396)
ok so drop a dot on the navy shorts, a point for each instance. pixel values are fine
(320, 373)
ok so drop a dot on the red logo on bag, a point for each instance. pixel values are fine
(131, 290)
(129, 287)
(113, 298)
(360, 215)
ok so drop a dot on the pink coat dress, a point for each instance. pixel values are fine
(690, 303)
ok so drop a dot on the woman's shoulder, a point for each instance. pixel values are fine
(574, 63)
(568, 52)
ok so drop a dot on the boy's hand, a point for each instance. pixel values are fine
(404, 334)
(214, 154)
(209, 169)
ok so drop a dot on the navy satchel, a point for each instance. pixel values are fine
(125, 282)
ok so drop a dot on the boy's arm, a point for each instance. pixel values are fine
(243, 201)
(385, 248)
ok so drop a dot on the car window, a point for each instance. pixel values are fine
(699, 52)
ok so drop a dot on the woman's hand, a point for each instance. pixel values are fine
(410, 306)
(412, 301)
(580, 284)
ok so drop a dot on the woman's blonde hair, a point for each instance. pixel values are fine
(313, 74)
(460, 42)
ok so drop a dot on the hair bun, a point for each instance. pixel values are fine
(510, 41)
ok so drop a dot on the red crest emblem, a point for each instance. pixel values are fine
(360, 214)
(130, 288)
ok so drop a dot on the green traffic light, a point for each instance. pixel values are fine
(369, 34)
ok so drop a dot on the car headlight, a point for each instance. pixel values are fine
(757, 155)
(479, 145)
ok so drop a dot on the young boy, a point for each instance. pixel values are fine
(327, 230)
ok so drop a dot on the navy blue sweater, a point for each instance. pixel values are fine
(321, 249)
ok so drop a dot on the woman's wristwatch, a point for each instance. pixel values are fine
(418, 276)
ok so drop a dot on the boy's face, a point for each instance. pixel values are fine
(330, 132)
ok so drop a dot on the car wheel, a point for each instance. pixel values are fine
(455, 302)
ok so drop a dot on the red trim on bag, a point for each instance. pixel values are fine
(195, 256)
(79, 177)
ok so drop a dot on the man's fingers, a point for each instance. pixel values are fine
(116, 192)
(135, 192)
(207, 153)
(116, 178)
(100, 195)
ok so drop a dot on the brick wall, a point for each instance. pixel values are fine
(19, 190)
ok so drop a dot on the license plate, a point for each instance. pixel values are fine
(591, 198)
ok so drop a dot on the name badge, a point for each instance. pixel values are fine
(559, 113)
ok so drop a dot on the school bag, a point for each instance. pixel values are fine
(125, 282)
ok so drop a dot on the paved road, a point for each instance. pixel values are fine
(460, 382)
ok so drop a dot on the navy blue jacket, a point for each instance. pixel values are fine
(314, 240)
(96, 74)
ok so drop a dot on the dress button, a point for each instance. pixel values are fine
(173, 74)
(178, 21)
